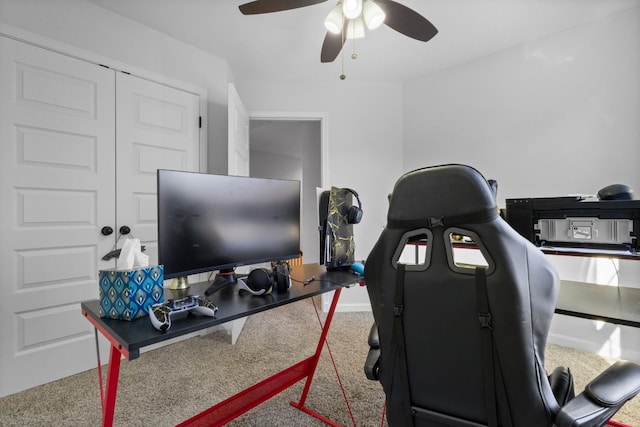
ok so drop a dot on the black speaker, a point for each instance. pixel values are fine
(258, 282)
(262, 281)
(355, 212)
(281, 277)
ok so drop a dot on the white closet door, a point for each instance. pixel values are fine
(56, 187)
(158, 128)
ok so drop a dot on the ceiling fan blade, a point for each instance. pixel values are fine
(268, 6)
(331, 47)
(407, 21)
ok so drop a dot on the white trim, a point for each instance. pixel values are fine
(605, 339)
(590, 346)
(351, 307)
(324, 173)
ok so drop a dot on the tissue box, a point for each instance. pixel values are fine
(129, 294)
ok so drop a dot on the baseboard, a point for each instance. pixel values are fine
(343, 307)
(352, 307)
(601, 338)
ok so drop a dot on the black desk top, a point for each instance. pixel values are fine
(232, 304)
(613, 304)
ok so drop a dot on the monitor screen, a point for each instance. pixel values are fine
(217, 222)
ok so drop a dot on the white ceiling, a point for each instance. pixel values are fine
(286, 45)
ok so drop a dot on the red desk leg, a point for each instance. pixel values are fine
(109, 404)
(240, 403)
(314, 364)
(117, 351)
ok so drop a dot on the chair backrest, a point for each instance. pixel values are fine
(442, 222)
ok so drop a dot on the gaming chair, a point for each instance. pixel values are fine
(460, 341)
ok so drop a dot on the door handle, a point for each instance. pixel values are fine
(115, 253)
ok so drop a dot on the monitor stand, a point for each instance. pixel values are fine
(223, 279)
(180, 283)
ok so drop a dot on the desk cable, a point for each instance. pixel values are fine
(311, 279)
(615, 267)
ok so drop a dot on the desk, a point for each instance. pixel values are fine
(127, 338)
(613, 304)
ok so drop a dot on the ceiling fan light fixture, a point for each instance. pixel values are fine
(374, 16)
(355, 29)
(352, 8)
(349, 18)
(333, 21)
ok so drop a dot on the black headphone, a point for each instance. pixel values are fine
(262, 281)
(355, 212)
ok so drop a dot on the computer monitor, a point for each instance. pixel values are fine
(212, 222)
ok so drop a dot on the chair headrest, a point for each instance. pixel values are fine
(455, 193)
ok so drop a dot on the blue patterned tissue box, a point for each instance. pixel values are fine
(129, 294)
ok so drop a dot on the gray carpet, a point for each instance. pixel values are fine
(165, 386)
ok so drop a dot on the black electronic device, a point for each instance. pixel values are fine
(615, 192)
(337, 214)
(262, 281)
(577, 222)
(210, 222)
(354, 215)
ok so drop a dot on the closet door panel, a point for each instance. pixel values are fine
(56, 184)
(158, 128)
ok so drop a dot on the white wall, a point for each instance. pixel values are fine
(364, 144)
(557, 116)
(93, 29)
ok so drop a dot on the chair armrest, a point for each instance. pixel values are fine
(374, 338)
(602, 397)
(616, 385)
(372, 364)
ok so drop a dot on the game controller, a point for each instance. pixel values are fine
(161, 314)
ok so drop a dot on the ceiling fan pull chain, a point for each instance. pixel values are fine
(354, 55)
(344, 35)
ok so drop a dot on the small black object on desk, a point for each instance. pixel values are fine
(222, 280)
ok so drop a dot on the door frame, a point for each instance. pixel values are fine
(304, 116)
(324, 153)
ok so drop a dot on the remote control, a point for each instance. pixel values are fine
(161, 314)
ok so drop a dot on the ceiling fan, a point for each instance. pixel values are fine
(347, 20)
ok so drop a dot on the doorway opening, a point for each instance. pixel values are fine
(288, 147)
